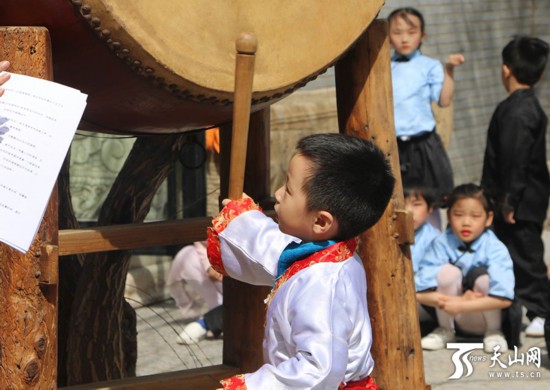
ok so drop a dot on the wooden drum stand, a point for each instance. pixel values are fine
(365, 109)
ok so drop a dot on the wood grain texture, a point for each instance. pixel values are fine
(102, 342)
(28, 298)
(365, 109)
(244, 77)
(131, 236)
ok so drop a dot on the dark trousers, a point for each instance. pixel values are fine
(214, 320)
(524, 242)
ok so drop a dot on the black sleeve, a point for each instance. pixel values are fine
(515, 144)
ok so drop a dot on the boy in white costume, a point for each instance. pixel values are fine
(317, 331)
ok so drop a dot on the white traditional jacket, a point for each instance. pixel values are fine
(317, 330)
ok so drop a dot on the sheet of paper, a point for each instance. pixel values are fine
(38, 120)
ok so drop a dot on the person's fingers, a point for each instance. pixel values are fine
(4, 65)
(4, 77)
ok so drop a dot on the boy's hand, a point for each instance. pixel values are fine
(507, 212)
(214, 275)
(226, 200)
(509, 217)
(454, 60)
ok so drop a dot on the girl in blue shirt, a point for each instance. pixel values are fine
(417, 81)
(466, 274)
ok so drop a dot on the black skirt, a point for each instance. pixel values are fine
(424, 164)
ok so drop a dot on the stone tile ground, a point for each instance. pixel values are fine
(159, 324)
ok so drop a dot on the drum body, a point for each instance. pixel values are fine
(168, 66)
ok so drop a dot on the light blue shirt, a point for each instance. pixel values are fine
(423, 237)
(416, 83)
(487, 251)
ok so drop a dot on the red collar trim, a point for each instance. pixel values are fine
(341, 251)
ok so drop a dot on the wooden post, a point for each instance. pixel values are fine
(28, 300)
(365, 109)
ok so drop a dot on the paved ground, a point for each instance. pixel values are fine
(159, 324)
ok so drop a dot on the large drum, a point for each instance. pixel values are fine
(160, 66)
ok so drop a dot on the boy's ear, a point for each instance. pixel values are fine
(489, 221)
(506, 72)
(325, 223)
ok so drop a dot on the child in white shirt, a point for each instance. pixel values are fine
(317, 331)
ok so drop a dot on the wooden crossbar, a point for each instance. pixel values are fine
(135, 235)
(206, 378)
(131, 236)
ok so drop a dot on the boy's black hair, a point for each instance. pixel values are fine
(350, 178)
(526, 57)
(404, 13)
(470, 190)
(427, 194)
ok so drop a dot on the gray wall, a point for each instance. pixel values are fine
(479, 29)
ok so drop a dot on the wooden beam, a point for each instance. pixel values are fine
(206, 378)
(365, 109)
(130, 236)
(135, 235)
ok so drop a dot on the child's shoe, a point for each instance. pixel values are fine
(492, 339)
(192, 333)
(438, 339)
(535, 328)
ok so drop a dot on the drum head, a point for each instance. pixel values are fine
(165, 66)
(193, 42)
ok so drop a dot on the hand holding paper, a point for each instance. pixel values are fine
(38, 119)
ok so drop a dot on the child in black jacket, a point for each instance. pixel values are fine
(515, 174)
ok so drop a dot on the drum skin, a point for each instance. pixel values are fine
(151, 66)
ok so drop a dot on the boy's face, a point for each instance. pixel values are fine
(468, 219)
(417, 205)
(405, 36)
(291, 207)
